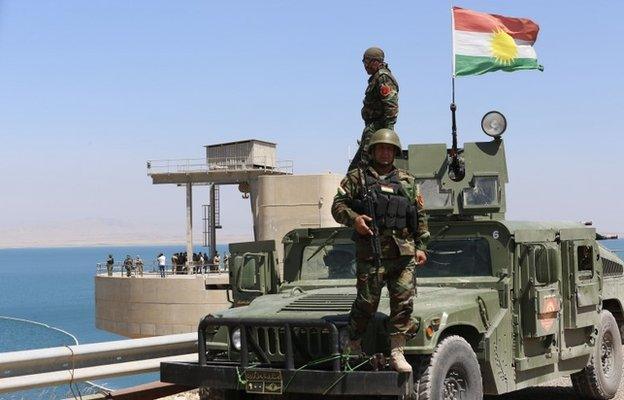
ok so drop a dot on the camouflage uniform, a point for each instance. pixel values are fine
(380, 109)
(128, 266)
(398, 250)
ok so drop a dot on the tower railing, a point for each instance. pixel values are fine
(219, 164)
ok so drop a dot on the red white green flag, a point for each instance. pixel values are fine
(488, 42)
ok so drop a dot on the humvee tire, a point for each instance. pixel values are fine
(452, 368)
(601, 377)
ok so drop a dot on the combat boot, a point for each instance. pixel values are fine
(397, 359)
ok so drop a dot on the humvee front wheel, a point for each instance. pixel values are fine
(451, 373)
(601, 377)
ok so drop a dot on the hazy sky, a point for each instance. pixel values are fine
(90, 90)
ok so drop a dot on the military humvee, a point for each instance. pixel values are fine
(500, 305)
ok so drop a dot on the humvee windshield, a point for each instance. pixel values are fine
(446, 258)
(457, 257)
(336, 261)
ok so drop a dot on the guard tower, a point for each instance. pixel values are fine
(234, 163)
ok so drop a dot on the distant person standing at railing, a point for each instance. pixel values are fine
(206, 261)
(202, 263)
(138, 265)
(226, 261)
(128, 265)
(109, 265)
(196, 264)
(216, 261)
(161, 264)
(174, 263)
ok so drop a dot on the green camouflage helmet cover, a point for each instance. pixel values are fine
(387, 136)
(374, 53)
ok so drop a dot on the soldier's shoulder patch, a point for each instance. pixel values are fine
(385, 90)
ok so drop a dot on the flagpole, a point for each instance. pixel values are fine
(456, 167)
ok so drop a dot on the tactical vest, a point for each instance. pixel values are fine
(393, 209)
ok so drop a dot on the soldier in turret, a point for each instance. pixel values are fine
(403, 234)
(381, 100)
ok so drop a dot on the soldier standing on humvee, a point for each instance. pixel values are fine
(403, 234)
(381, 100)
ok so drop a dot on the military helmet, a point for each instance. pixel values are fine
(374, 53)
(387, 136)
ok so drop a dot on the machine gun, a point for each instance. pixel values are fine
(369, 208)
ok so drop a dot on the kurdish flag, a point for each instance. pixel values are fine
(488, 42)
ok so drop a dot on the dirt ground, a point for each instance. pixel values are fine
(560, 389)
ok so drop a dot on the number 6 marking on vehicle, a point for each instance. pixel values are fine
(495, 234)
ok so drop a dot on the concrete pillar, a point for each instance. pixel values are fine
(253, 197)
(189, 226)
(213, 220)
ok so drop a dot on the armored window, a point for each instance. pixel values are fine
(585, 260)
(434, 195)
(542, 259)
(335, 261)
(457, 257)
(483, 192)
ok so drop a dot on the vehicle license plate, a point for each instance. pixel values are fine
(263, 381)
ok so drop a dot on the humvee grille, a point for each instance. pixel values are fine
(272, 340)
(322, 302)
(612, 268)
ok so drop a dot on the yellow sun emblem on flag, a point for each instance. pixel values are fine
(504, 49)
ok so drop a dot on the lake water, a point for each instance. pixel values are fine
(55, 286)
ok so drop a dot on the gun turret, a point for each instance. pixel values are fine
(468, 186)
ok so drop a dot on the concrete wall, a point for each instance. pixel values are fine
(283, 203)
(151, 306)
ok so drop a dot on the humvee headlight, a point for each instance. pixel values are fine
(235, 339)
(494, 124)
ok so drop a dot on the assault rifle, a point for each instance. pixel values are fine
(369, 208)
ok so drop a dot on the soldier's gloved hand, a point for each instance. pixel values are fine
(420, 257)
(359, 224)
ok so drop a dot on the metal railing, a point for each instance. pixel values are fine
(219, 164)
(119, 270)
(59, 365)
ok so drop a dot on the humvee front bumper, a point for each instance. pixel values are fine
(278, 381)
(270, 377)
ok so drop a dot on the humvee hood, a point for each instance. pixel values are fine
(332, 302)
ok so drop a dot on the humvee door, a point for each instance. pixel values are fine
(537, 287)
(584, 286)
(252, 270)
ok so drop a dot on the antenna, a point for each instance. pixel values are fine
(457, 169)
